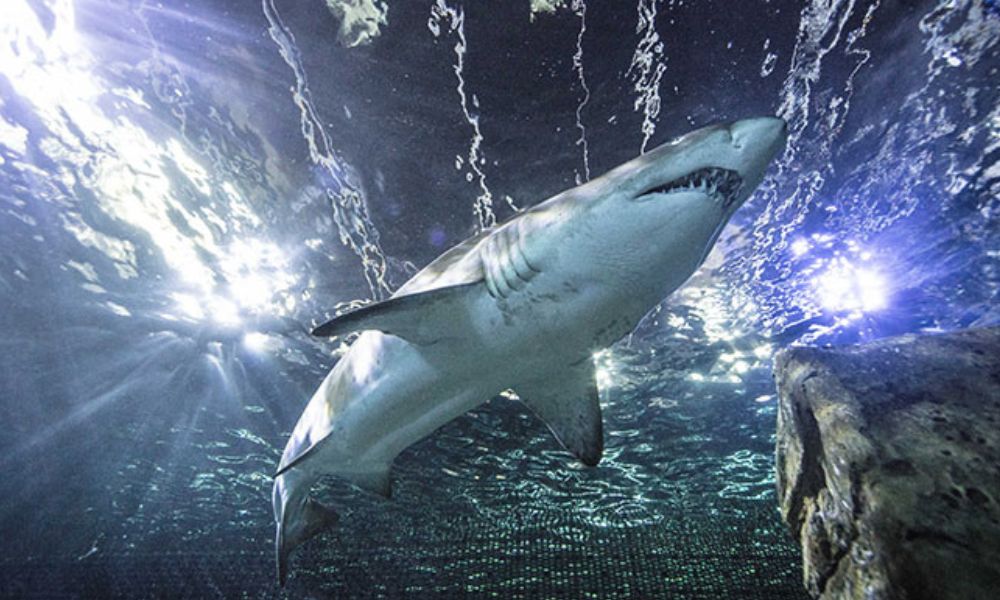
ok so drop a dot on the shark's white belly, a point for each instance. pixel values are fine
(386, 394)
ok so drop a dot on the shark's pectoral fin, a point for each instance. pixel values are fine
(421, 318)
(568, 403)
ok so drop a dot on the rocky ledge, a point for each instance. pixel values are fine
(888, 459)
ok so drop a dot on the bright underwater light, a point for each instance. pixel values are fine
(846, 287)
(800, 247)
(223, 311)
(156, 181)
(258, 342)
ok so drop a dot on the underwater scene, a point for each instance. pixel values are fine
(190, 190)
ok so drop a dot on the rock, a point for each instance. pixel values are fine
(888, 460)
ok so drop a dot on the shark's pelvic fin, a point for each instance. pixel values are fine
(375, 481)
(313, 519)
(568, 403)
(298, 518)
(422, 318)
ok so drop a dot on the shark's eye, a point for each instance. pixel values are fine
(715, 182)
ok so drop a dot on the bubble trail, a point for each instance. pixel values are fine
(821, 30)
(580, 8)
(350, 210)
(647, 68)
(456, 24)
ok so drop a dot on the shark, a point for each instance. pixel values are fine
(523, 306)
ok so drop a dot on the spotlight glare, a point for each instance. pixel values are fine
(251, 290)
(843, 287)
(871, 288)
(223, 311)
(189, 305)
(257, 342)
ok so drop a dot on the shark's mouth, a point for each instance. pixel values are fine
(722, 185)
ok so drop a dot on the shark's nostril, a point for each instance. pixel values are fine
(733, 133)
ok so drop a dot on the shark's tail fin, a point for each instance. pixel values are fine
(297, 516)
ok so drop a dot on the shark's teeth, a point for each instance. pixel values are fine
(721, 184)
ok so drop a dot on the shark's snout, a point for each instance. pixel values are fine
(756, 142)
(763, 134)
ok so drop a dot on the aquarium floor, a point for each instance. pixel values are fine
(697, 555)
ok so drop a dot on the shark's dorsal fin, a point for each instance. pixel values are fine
(421, 318)
(568, 403)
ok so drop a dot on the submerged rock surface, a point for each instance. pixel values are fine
(888, 459)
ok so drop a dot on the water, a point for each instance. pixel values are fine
(186, 187)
